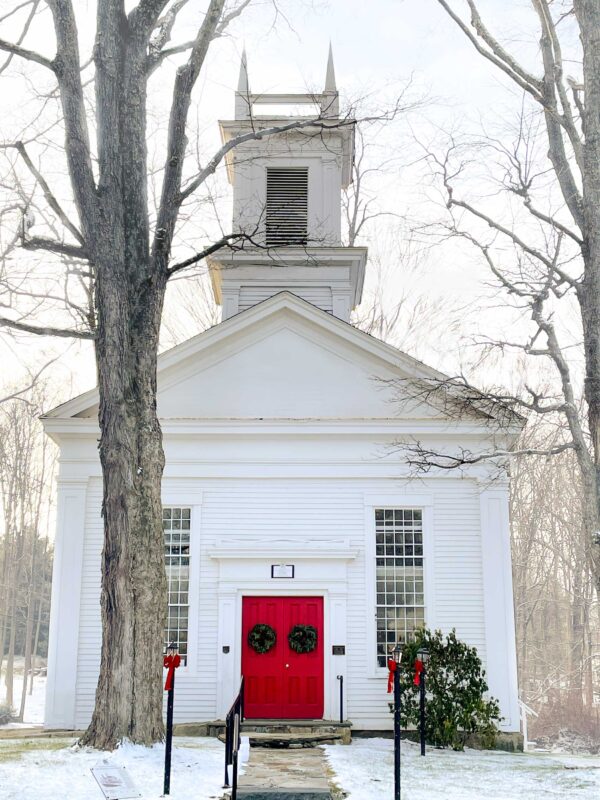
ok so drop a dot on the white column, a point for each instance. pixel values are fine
(501, 657)
(66, 598)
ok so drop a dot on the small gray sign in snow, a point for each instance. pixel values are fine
(115, 782)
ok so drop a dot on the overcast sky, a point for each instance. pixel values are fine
(378, 46)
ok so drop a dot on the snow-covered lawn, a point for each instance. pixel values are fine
(34, 702)
(365, 770)
(36, 770)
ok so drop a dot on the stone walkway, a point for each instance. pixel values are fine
(285, 774)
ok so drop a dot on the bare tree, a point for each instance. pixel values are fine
(106, 228)
(544, 250)
(26, 469)
(557, 610)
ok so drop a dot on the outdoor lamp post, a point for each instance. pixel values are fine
(397, 657)
(423, 658)
(171, 661)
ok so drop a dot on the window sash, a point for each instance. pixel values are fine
(399, 588)
(176, 531)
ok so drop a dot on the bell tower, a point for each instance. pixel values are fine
(287, 172)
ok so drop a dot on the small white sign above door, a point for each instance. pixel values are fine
(282, 570)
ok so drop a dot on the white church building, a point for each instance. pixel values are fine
(286, 497)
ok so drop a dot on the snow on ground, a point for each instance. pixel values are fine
(36, 773)
(365, 770)
(34, 703)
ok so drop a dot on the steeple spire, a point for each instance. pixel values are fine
(330, 104)
(243, 86)
(242, 96)
(330, 74)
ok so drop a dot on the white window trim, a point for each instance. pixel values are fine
(424, 503)
(193, 501)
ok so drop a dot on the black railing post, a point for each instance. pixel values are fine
(341, 680)
(227, 752)
(397, 787)
(422, 710)
(169, 736)
(233, 739)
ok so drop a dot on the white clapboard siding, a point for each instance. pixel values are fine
(263, 511)
(319, 296)
(90, 632)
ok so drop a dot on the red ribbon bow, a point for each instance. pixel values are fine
(392, 666)
(171, 663)
(419, 667)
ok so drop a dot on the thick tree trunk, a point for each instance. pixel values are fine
(129, 693)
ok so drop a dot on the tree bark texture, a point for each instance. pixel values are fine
(130, 266)
(588, 16)
(129, 298)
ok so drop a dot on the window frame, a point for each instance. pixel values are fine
(423, 503)
(182, 509)
(191, 499)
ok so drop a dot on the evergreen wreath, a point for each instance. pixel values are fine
(262, 638)
(303, 638)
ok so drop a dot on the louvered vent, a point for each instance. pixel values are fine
(287, 206)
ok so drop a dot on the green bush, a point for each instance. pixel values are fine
(455, 706)
(6, 713)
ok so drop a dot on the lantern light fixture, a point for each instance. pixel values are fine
(397, 652)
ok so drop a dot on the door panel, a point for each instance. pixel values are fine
(282, 684)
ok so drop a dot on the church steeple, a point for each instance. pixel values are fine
(242, 96)
(330, 74)
(287, 200)
(331, 103)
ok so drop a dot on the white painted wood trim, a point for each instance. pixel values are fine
(63, 640)
(371, 502)
(182, 497)
(277, 552)
(501, 657)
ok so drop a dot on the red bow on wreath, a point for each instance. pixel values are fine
(392, 666)
(419, 667)
(171, 663)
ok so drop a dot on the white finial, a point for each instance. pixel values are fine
(330, 75)
(243, 85)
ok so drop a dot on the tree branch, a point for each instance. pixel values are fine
(48, 194)
(28, 55)
(496, 54)
(44, 330)
(67, 67)
(54, 246)
(425, 459)
(222, 242)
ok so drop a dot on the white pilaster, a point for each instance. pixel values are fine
(66, 598)
(501, 657)
(338, 634)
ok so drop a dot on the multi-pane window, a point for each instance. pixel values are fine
(176, 526)
(399, 577)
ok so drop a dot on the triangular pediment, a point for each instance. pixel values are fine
(282, 359)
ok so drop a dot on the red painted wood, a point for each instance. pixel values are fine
(282, 684)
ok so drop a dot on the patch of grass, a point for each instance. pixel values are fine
(14, 749)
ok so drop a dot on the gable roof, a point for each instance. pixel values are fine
(283, 303)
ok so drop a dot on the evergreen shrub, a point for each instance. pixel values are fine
(455, 703)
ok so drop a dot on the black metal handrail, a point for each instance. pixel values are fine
(233, 722)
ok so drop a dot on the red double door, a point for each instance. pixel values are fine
(282, 684)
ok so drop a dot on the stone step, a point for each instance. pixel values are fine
(284, 775)
(294, 740)
(256, 793)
